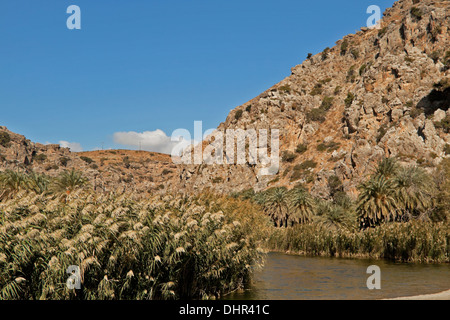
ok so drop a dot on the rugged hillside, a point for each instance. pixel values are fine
(107, 170)
(377, 93)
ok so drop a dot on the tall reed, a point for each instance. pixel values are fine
(412, 241)
(163, 247)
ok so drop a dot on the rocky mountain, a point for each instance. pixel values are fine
(107, 170)
(377, 93)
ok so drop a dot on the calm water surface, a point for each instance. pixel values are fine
(291, 277)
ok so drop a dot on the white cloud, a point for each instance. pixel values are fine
(156, 141)
(73, 146)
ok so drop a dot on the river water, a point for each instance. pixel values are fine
(292, 277)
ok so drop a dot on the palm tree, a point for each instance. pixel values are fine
(11, 182)
(377, 201)
(277, 206)
(260, 198)
(302, 206)
(38, 183)
(387, 167)
(67, 181)
(334, 216)
(414, 190)
(442, 196)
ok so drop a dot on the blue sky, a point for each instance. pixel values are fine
(143, 65)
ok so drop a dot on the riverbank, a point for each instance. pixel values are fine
(403, 242)
(444, 295)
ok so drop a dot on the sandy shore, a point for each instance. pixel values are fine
(445, 295)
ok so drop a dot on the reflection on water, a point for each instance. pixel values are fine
(290, 277)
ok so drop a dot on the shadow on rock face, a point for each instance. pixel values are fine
(436, 99)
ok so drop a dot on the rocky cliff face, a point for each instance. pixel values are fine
(377, 93)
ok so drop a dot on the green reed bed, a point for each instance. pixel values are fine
(407, 242)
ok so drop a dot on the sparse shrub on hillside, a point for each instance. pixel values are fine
(444, 124)
(238, 114)
(435, 55)
(334, 185)
(40, 157)
(217, 180)
(86, 159)
(447, 149)
(446, 61)
(409, 104)
(5, 139)
(381, 132)
(409, 60)
(327, 103)
(64, 161)
(248, 108)
(432, 155)
(351, 74)
(355, 53)
(349, 100)
(316, 114)
(325, 53)
(325, 81)
(415, 112)
(416, 13)
(288, 156)
(306, 165)
(51, 167)
(337, 89)
(301, 148)
(126, 162)
(382, 32)
(435, 33)
(296, 175)
(362, 69)
(344, 47)
(309, 56)
(286, 88)
(329, 146)
(317, 89)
